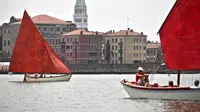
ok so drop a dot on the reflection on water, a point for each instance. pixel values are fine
(85, 93)
(182, 106)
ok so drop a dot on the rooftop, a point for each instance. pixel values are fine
(83, 32)
(124, 33)
(46, 19)
(153, 45)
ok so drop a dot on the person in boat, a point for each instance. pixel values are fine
(36, 75)
(141, 77)
(41, 75)
(196, 84)
(25, 75)
(155, 85)
(171, 84)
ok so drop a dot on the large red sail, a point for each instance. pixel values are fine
(180, 36)
(32, 53)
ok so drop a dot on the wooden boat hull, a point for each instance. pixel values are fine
(49, 79)
(182, 93)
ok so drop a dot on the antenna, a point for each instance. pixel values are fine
(127, 22)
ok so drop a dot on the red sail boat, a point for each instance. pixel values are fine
(180, 39)
(33, 55)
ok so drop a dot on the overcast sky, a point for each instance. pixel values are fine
(144, 15)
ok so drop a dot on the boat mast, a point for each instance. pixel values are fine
(41, 57)
(178, 78)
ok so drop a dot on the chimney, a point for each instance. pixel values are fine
(141, 33)
(110, 31)
(81, 32)
(96, 33)
(131, 30)
(113, 31)
(128, 28)
(86, 29)
(126, 32)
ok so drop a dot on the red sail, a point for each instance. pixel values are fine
(180, 36)
(32, 53)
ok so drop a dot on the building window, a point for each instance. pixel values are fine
(116, 40)
(58, 29)
(85, 20)
(45, 29)
(115, 61)
(115, 54)
(56, 41)
(51, 29)
(112, 40)
(4, 42)
(116, 47)
(4, 32)
(64, 29)
(92, 54)
(8, 42)
(67, 39)
(144, 47)
(8, 31)
(78, 20)
(112, 47)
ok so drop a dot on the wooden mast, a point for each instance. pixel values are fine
(41, 57)
(178, 78)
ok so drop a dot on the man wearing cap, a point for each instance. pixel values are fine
(141, 77)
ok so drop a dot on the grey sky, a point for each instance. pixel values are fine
(104, 15)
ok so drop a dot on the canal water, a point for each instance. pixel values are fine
(87, 93)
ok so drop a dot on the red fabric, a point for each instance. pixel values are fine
(27, 56)
(180, 36)
(137, 77)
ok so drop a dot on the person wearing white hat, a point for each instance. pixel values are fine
(141, 77)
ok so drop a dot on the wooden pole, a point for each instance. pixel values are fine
(178, 78)
(41, 57)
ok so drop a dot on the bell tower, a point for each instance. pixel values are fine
(80, 14)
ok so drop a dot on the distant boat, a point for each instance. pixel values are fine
(33, 55)
(180, 40)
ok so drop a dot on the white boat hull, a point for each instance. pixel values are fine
(49, 79)
(177, 93)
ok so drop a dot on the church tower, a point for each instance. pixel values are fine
(80, 14)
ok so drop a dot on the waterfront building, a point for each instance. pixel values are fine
(124, 47)
(154, 52)
(80, 14)
(82, 47)
(51, 29)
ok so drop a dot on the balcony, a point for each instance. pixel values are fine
(120, 51)
(120, 43)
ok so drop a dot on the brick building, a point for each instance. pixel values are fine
(82, 46)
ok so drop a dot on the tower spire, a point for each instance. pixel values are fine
(80, 3)
(80, 14)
